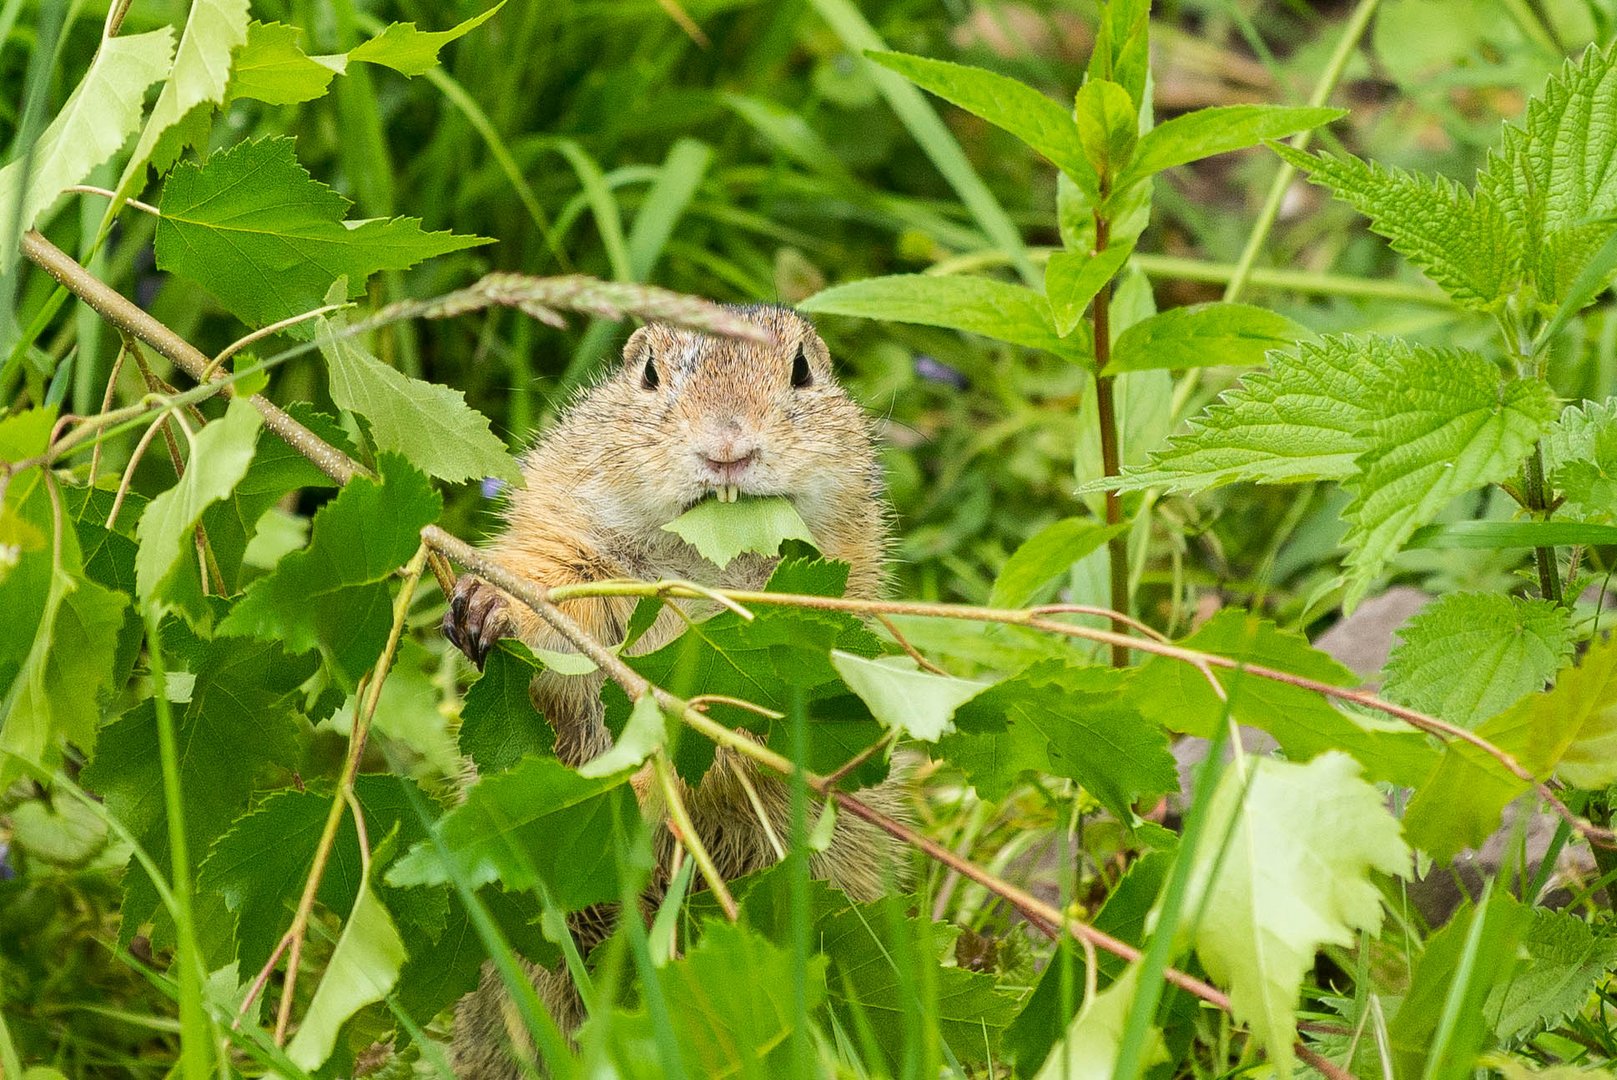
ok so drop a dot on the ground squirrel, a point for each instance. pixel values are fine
(686, 417)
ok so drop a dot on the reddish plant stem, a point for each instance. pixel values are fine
(1117, 547)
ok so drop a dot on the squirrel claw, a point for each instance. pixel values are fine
(476, 619)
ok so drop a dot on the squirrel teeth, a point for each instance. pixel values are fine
(728, 492)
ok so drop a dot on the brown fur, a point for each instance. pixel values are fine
(624, 460)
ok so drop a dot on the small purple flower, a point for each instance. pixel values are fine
(7, 872)
(932, 369)
(493, 487)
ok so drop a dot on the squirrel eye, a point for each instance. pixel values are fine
(801, 375)
(648, 378)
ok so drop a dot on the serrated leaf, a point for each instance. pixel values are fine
(642, 736)
(1503, 535)
(271, 67)
(254, 229)
(430, 425)
(541, 822)
(1066, 721)
(1179, 696)
(1463, 242)
(995, 309)
(1467, 656)
(1072, 278)
(213, 30)
(1570, 731)
(1556, 172)
(1580, 459)
(333, 594)
(410, 51)
(92, 124)
(499, 724)
(363, 967)
(1219, 130)
(1089, 1049)
(1044, 125)
(1045, 555)
(1108, 125)
(219, 459)
(1566, 960)
(1294, 876)
(720, 531)
(919, 704)
(1203, 335)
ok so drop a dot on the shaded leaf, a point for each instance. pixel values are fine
(499, 724)
(1072, 278)
(1045, 556)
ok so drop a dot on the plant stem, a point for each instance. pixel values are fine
(1117, 547)
(1533, 490)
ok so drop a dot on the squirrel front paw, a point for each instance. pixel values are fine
(477, 618)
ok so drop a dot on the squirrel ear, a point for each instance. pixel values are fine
(638, 347)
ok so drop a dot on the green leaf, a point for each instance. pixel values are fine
(720, 531)
(1044, 125)
(333, 595)
(410, 51)
(1072, 278)
(1500, 535)
(498, 722)
(1108, 124)
(1219, 130)
(1046, 555)
(213, 30)
(1580, 458)
(219, 459)
(1065, 721)
(1089, 1049)
(539, 823)
(642, 736)
(1293, 876)
(1463, 242)
(1305, 724)
(254, 229)
(912, 702)
(1203, 335)
(1566, 961)
(430, 425)
(271, 67)
(995, 309)
(1569, 731)
(1122, 50)
(733, 1000)
(1469, 655)
(363, 967)
(92, 124)
(1556, 174)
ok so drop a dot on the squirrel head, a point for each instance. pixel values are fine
(725, 417)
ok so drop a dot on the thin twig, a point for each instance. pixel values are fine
(691, 839)
(258, 335)
(106, 404)
(1099, 612)
(702, 701)
(91, 189)
(911, 650)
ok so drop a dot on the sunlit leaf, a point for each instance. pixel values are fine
(720, 531)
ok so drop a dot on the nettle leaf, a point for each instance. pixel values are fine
(1219, 130)
(912, 702)
(407, 50)
(333, 595)
(1203, 335)
(1462, 241)
(1566, 961)
(1580, 459)
(1294, 876)
(1067, 721)
(1072, 278)
(1089, 1049)
(1469, 655)
(213, 30)
(1305, 724)
(733, 1000)
(219, 459)
(976, 305)
(720, 531)
(1108, 125)
(1028, 575)
(539, 823)
(255, 230)
(1569, 732)
(430, 425)
(499, 724)
(1556, 173)
(93, 123)
(238, 729)
(273, 68)
(1044, 125)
